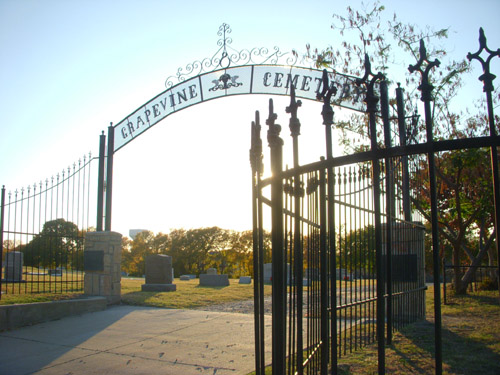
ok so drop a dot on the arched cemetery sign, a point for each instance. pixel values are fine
(228, 72)
(235, 73)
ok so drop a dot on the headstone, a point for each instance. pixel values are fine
(214, 280)
(268, 273)
(159, 274)
(185, 278)
(13, 270)
(312, 274)
(343, 274)
(55, 272)
(245, 280)
(211, 271)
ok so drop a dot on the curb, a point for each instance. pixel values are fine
(21, 315)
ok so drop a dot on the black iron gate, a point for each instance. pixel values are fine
(347, 248)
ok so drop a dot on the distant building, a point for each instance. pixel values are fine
(134, 232)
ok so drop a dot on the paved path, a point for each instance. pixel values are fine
(134, 340)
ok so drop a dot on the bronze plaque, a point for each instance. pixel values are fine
(93, 260)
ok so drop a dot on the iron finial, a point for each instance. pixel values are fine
(292, 109)
(487, 78)
(371, 99)
(425, 87)
(256, 145)
(326, 95)
(273, 134)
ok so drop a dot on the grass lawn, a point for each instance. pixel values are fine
(471, 341)
(188, 294)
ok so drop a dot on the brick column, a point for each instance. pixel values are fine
(102, 261)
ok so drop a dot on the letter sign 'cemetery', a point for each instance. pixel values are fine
(248, 79)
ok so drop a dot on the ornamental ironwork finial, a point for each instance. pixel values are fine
(256, 145)
(292, 109)
(371, 99)
(273, 134)
(225, 60)
(487, 78)
(326, 95)
(226, 57)
(425, 87)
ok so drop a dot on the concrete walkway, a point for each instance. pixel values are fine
(134, 340)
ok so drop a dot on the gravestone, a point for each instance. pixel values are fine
(212, 279)
(184, 278)
(312, 274)
(245, 280)
(159, 274)
(408, 268)
(268, 273)
(55, 272)
(13, 269)
(343, 274)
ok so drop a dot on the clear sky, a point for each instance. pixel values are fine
(68, 68)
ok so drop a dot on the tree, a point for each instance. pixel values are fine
(466, 221)
(358, 250)
(59, 243)
(195, 250)
(466, 224)
(134, 252)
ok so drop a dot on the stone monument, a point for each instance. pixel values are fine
(211, 278)
(13, 270)
(268, 273)
(245, 280)
(159, 274)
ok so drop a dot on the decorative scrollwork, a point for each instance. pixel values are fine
(226, 57)
(225, 82)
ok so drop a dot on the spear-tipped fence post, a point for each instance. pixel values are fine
(258, 253)
(426, 89)
(369, 80)
(487, 79)
(278, 248)
(327, 113)
(297, 242)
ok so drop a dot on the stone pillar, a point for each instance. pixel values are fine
(102, 262)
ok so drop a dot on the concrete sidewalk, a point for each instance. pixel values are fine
(134, 340)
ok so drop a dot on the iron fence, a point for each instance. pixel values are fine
(348, 262)
(42, 231)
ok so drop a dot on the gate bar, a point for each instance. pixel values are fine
(109, 177)
(100, 182)
(256, 164)
(426, 89)
(371, 108)
(487, 79)
(324, 275)
(389, 203)
(297, 240)
(402, 142)
(278, 271)
(327, 113)
(1, 236)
